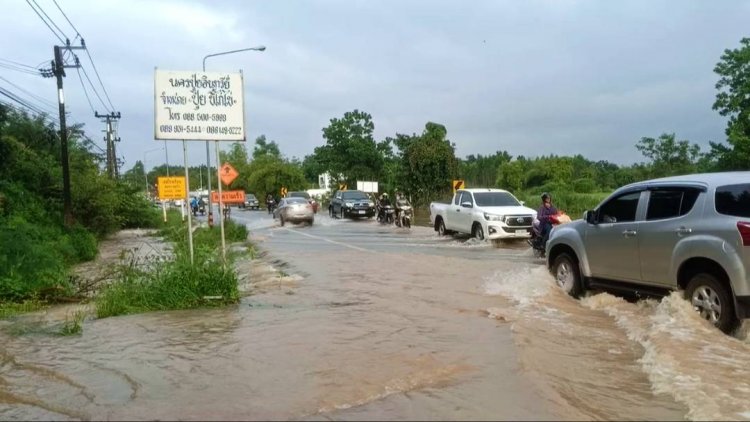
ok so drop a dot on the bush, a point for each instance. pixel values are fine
(83, 242)
(172, 285)
(584, 186)
(32, 261)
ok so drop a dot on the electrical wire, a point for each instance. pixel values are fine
(18, 69)
(85, 91)
(94, 88)
(20, 65)
(45, 22)
(26, 104)
(51, 20)
(44, 101)
(97, 76)
(78, 34)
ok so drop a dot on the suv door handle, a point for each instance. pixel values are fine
(683, 230)
(629, 233)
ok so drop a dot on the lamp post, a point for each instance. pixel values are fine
(208, 154)
(145, 174)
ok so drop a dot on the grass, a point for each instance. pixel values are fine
(176, 284)
(73, 324)
(10, 309)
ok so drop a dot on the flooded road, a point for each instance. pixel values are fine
(355, 320)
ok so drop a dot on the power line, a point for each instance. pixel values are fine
(84, 90)
(23, 102)
(83, 43)
(50, 19)
(66, 18)
(45, 22)
(94, 88)
(18, 69)
(20, 65)
(34, 96)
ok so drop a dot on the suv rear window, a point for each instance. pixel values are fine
(733, 200)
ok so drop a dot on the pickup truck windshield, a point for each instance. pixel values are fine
(495, 199)
(353, 195)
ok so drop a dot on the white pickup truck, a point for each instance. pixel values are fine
(484, 213)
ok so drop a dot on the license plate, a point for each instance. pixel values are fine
(521, 231)
(361, 211)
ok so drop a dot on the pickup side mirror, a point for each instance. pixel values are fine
(589, 216)
(522, 203)
(467, 204)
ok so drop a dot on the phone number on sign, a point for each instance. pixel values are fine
(212, 130)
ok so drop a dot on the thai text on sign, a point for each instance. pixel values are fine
(229, 196)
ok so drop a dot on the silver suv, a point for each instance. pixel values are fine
(686, 232)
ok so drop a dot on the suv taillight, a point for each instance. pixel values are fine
(744, 229)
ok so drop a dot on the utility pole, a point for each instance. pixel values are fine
(58, 69)
(112, 169)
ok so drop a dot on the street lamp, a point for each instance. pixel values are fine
(208, 154)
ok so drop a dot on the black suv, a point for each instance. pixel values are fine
(351, 203)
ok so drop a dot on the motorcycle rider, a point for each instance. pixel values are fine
(194, 205)
(269, 203)
(382, 203)
(400, 203)
(546, 210)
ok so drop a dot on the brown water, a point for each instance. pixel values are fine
(412, 327)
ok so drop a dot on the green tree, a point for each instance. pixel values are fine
(668, 156)
(510, 175)
(351, 153)
(429, 163)
(733, 101)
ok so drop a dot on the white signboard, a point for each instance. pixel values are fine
(368, 187)
(199, 106)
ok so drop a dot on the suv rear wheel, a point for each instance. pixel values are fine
(712, 300)
(567, 275)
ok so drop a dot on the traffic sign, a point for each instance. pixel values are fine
(229, 196)
(228, 173)
(457, 184)
(342, 186)
(283, 191)
(171, 188)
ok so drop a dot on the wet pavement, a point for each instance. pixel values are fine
(351, 319)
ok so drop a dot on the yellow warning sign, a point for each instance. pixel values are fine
(458, 184)
(342, 186)
(283, 191)
(171, 188)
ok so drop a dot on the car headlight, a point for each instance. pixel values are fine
(493, 217)
(348, 204)
(372, 204)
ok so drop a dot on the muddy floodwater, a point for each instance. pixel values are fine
(359, 321)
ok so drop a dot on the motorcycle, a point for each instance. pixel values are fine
(385, 215)
(202, 208)
(404, 215)
(537, 242)
(270, 204)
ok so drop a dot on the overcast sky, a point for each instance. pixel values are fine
(531, 78)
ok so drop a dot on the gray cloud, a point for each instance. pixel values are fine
(532, 78)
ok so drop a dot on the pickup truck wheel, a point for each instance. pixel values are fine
(712, 300)
(441, 228)
(281, 220)
(477, 231)
(567, 275)
(330, 212)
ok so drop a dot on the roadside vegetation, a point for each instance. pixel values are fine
(38, 251)
(176, 283)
